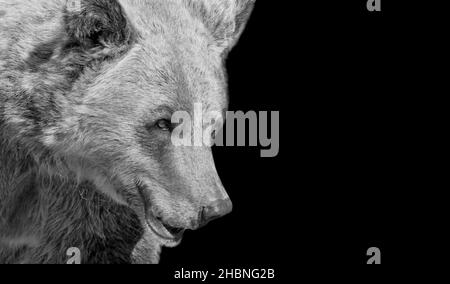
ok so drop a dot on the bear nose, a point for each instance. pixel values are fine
(216, 210)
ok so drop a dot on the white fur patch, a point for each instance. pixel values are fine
(49, 136)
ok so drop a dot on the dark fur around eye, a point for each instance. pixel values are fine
(164, 124)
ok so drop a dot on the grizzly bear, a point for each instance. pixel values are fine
(88, 89)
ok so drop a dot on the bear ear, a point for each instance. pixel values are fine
(226, 19)
(94, 23)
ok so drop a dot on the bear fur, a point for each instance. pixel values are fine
(82, 85)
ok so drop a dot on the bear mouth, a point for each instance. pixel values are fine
(171, 235)
(177, 233)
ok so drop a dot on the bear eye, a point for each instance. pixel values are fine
(164, 125)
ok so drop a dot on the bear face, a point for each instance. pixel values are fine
(90, 90)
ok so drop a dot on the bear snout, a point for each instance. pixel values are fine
(214, 211)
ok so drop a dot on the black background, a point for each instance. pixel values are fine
(327, 197)
(352, 90)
